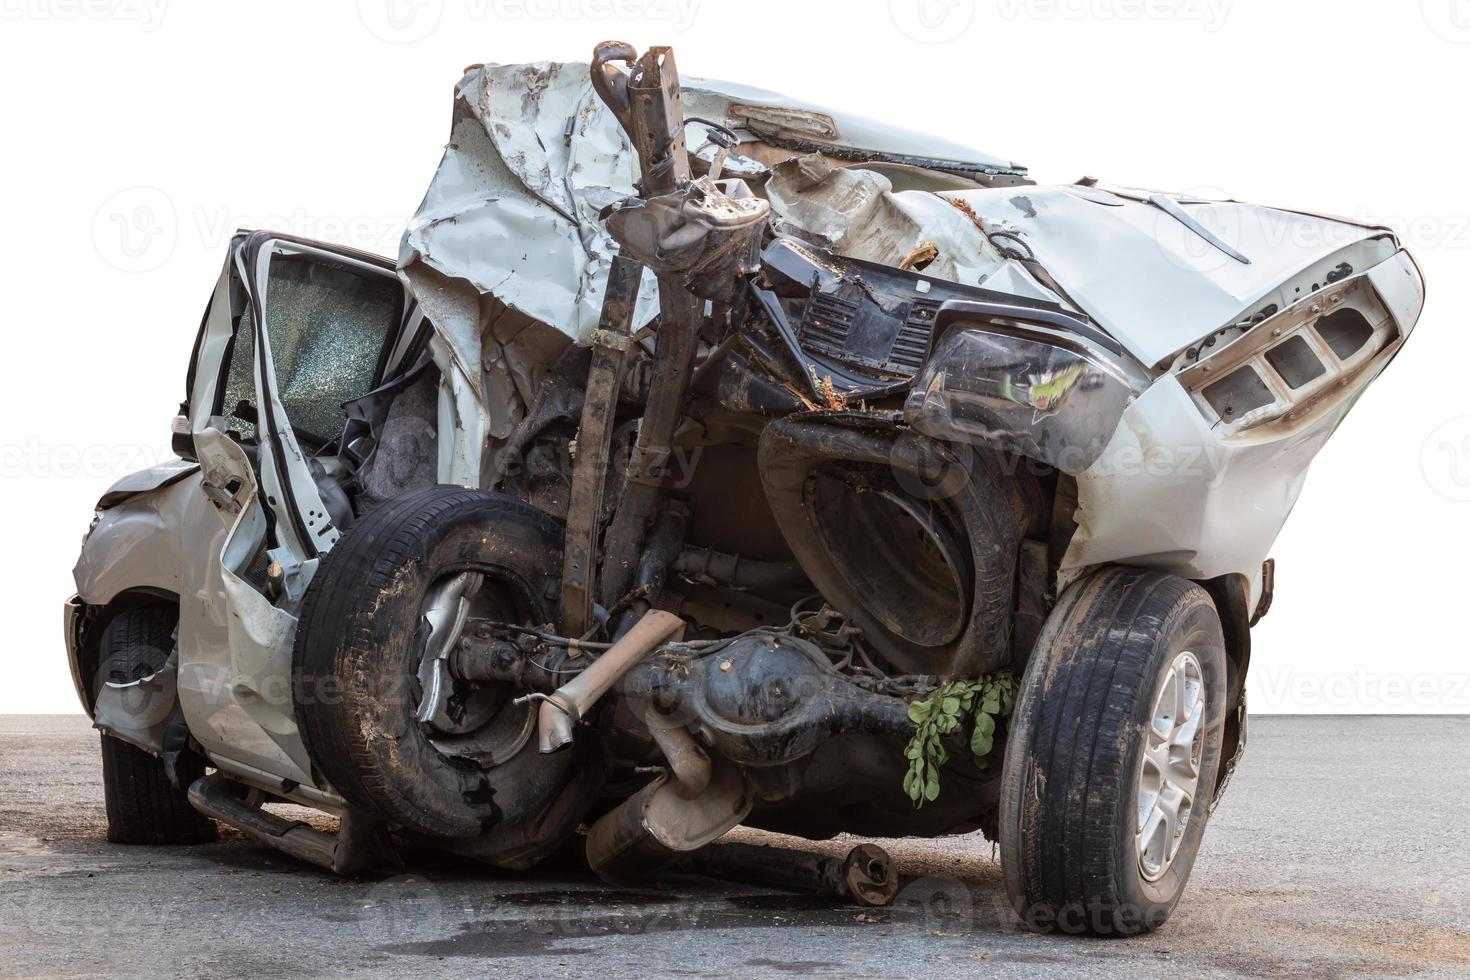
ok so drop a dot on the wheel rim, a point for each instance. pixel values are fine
(478, 722)
(442, 617)
(1168, 775)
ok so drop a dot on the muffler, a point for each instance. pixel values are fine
(693, 803)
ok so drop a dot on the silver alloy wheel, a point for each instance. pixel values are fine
(1169, 773)
(444, 612)
(477, 722)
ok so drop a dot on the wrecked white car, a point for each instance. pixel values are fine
(711, 458)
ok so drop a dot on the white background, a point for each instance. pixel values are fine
(138, 134)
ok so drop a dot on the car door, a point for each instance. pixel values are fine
(294, 330)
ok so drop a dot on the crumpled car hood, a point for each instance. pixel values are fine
(506, 252)
(1143, 275)
(510, 261)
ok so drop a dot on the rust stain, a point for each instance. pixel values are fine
(964, 208)
(921, 254)
(833, 399)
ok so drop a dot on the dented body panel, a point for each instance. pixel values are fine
(136, 542)
(1151, 282)
(1181, 489)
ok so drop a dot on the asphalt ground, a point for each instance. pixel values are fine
(1341, 849)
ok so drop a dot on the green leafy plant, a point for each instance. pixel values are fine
(940, 712)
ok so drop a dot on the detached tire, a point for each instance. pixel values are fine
(359, 643)
(1101, 749)
(143, 807)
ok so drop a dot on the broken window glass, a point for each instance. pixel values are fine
(240, 383)
(328, 327)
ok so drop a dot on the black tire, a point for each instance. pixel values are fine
(358, 643)
(1069, 793)
(143, 807)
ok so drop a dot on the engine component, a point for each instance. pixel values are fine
(763, 699)
(916, 542)
(707, 233)
(737, 571)
(694, 802)
(572, 701)
(660, 549)
(865, 876)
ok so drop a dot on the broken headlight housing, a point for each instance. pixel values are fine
(1048, 387)
(1294, 365)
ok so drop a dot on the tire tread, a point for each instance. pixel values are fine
(1073, 735)
(338, 635)
(143, 807)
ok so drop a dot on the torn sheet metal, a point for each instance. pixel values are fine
(506, 253)
(859, 213)
(165, 473)
(1199, 496)
(137, 711)
(534, 156)
(509, 258)
(1152, 281)
(847, 209)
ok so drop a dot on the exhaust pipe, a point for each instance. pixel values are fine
(865, 877)
(567, 706)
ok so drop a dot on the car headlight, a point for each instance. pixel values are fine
(1003, 384)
